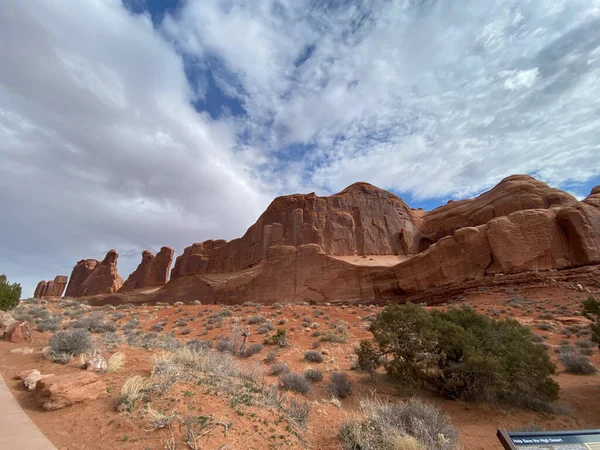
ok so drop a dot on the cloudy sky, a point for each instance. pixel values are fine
(140, 123)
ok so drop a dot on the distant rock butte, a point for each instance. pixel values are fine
(53, 288)
(90, 277)
(366, 244)
(152, 271)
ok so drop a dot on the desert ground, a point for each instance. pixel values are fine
(248, 411)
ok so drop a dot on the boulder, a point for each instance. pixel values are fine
(63, 390)
(19, 332)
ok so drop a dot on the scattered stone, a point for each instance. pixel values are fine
(579, 287)
(63, 390)
(22, 351)
(96, 363)
(19, 332)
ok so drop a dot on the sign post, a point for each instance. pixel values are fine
(550, 440)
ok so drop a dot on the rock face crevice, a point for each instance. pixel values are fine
(366, 244)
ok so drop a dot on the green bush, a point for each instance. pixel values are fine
(461, 354)
(591, 310)
(9, 294)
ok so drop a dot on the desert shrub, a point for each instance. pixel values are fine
(461, 354)
(152, 340)
(339, 385)
(335, 338)
(157, 327)
(49, 324)
(278, 368)
(279, 338)
(256, 320)
(264, 329)
(181, 322)
(39, 312)
(110, 339)
(95, 323)
(226, 346)
(271, 357)
(294, 382)
(313, 375)
(9, 294)
(591, 310)
(412, 425)
(298, 412)
(252, 349)
(68, 343)
(313, 356)
(197, 345)
(185, 331)
(575, 362)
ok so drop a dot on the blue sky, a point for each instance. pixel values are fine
(140, 123)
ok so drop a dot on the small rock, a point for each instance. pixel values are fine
(579, 287)
(58, 391)
(30, 381)
(24, 374)
(19, 332)
(22, 351)
(96, 364)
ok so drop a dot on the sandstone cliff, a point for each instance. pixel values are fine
(152, 270)
(365, 244)
(90, 277)
(52, 288)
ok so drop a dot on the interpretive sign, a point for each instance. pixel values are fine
(550, 440)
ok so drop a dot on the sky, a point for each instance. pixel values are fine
(140, 123)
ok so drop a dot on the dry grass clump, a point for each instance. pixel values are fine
(134, 389)
(575, 362)
(116, 361)
(412, 425)
(157, 419)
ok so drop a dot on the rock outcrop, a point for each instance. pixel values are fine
(53, 288)
(152, 271)
(82, 270)
(366, 244)
(90, 277)
(63, 390)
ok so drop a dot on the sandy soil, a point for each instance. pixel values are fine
(96, 424)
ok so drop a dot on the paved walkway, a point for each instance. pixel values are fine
(17, 431)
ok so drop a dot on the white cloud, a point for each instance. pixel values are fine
(101, 147)
(520, 79)
(434, 98)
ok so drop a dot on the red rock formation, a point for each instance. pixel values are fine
(53, 288)
(40, 289)
(82, 270)
(152, 271)
(89, 277)
(362, 219)
(305, 247)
